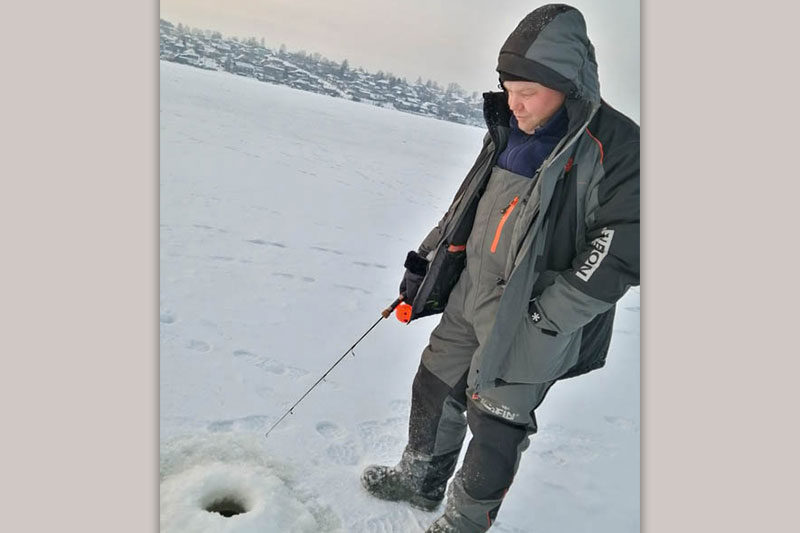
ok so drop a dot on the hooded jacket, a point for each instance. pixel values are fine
(575, 242)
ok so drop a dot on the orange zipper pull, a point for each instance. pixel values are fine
(510, 205)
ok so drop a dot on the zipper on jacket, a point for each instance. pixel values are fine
(506, 213)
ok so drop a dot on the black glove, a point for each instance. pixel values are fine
(416, 268)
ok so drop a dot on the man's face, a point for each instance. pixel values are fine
(532, 103)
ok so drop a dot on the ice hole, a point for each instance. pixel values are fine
(227, 506)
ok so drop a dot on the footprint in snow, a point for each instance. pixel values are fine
(266, 243)
(209, 228)
(328, 250)
(295, 373)
(199, 346)
(384, 436)
(265, 209)
(272, 366)
(166, 316)
(351, 288)
(330, 430)
(555, 457)
(304, 279)
(245, 354)
(220, 425)
(569, 452)
(556, 487)
(209, 324)
(250, 423)
(372, 265)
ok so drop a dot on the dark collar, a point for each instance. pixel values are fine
(556, 126)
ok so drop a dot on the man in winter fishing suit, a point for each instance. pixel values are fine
(541, 240)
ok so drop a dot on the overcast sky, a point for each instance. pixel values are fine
(444, 40)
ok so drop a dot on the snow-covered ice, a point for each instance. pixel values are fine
(285, 218)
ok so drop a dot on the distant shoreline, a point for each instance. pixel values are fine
(314, 73)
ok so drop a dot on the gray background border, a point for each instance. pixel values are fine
(80, 267)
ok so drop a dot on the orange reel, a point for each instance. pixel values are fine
(403, 312)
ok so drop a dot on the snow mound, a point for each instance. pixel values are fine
(212, 471)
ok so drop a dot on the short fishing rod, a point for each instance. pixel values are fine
(403, 317)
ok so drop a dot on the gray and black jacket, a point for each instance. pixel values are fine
(575, 242)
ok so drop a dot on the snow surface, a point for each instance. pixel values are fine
(285, 219)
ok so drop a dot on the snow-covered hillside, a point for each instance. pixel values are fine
(285, 219)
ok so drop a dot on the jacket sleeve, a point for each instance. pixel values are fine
(609, 264)
(430, 242)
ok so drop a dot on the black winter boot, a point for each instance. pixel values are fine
(418, 479)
